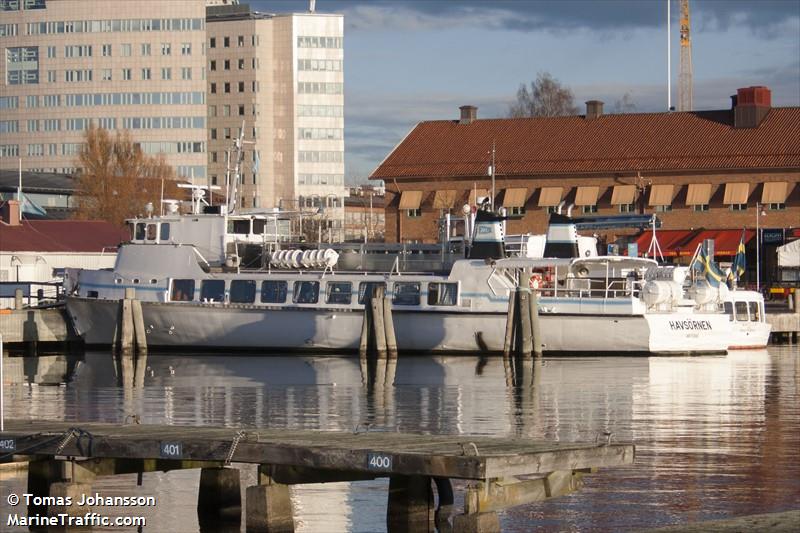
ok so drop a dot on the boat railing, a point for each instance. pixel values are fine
(33, 293)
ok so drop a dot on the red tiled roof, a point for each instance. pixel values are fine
(703, 140)
(60, 236)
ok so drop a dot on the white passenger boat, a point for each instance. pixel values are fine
(745, 310)
(195, 294)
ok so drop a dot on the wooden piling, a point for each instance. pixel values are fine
(366, 327)
(508, 343)
(536, 330)
(126, 342)
(523, 309)
(379, 327)
(140, 336)
(388, 323)
(18, 302)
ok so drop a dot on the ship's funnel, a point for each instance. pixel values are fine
(562, 237)
(488, 241)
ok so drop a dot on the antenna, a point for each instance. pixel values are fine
(685, 95)
(198, 195)
(669, 59)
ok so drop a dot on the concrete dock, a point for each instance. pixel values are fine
(501, 472)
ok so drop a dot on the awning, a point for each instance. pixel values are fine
(789, 255)
(672, 242)
(726, 241)
(410, 199)
(775, 192)
(736, 193)
(444, 199)
(550, 196)
(515, 197)
(623, 194)
(661, 194)
(586, 196)
(698, 194)
(474, 194)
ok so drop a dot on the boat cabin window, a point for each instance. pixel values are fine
(243, 291)
(273, 292)
(366, 289)
(405, 293)
(164, 233)
(140, 231)
(755, 316)
(151, 232)
(729, 311)
(182, 290)
(339, 292)
(212, 290)
(442, 293)
(741, 311)
(306, 292)
(239, 227)
(258, 226)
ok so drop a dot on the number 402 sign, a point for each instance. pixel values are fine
(379, 461)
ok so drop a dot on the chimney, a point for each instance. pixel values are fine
(750, 106)
(594, 109)
(10, 213)
(469, 114)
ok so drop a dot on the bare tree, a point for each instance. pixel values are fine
(117, 180)
(546, 98)
(625, 104)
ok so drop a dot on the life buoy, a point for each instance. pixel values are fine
(535, 281)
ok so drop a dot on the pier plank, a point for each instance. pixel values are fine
(451, 456)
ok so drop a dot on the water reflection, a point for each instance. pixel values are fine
(716, 436)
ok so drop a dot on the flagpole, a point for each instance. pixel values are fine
(19, 190)
(758, 250)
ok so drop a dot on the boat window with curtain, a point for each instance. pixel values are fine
(212, 290)
(367, 288)
(339, 292)
(182, 290)
(442, 293)
(243, 291)
(273, 292)
(306, 292)
(405, 293)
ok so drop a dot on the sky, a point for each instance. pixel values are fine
(406, 61)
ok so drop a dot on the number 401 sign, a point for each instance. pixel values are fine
(379, 461)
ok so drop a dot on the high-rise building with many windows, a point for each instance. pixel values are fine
(117, 64)
(281, 78)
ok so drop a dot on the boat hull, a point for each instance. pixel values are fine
(255, 328)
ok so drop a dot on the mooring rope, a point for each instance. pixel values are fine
(239, 436)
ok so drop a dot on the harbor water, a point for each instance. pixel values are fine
(716, 437)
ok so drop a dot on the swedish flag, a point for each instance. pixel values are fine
(739, 265)
(708, 268)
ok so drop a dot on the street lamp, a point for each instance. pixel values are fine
(759, 214)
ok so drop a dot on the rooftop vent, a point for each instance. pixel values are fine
(469, 114)
(594, 109)
(750, 106)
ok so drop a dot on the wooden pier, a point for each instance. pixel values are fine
(501, 472)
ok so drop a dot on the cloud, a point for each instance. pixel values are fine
(761, 16)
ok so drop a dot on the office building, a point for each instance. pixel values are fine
(280, 76)
(116, 64)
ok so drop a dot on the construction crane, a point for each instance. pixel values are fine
(685, 77)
